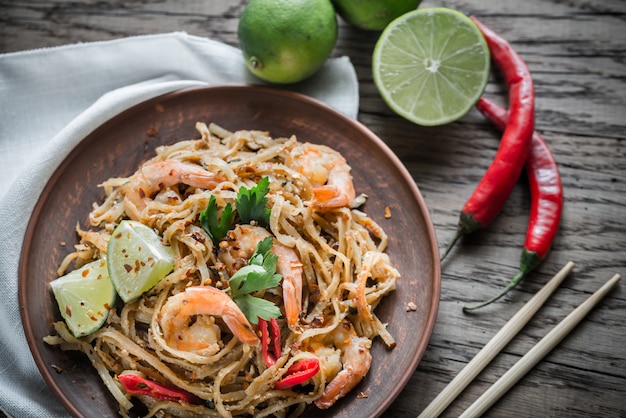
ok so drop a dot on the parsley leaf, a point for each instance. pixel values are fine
(255, 308)
(251, 203)
(259, 274)
(208, 220)
(251, 206)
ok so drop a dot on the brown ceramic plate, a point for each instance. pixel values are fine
(121, 144)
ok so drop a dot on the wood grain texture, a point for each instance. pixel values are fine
(576, 52)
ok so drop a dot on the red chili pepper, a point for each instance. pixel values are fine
(298, 373)
(268, 337)
(498, 182)
(546, 199)
(137, 385)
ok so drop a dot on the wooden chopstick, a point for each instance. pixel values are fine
(494, 346)
(530, 359)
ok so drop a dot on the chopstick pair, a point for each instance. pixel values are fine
(503, 337)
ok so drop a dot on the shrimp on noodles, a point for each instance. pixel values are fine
(159, 175)
(179, 309)
(328, 172)
(227, 331)
(348, 368)
(239, 246)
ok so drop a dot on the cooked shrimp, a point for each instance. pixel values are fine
(355, 360)
(239, 246)
(327, 171)
(198, 306)
(159, 175)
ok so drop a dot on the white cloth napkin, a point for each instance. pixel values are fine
(52, 98)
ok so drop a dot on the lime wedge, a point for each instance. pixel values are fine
(431, 65)
(84, 297)
(137, 259)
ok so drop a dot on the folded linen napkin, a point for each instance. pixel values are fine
(52, 98)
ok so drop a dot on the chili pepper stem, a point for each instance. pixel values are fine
(514, 281)
(467, 225)
(528, 261)
(455, 238)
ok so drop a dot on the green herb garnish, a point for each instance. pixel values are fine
(259, 274)
(251, 206)
(208, 220)
(251, 203)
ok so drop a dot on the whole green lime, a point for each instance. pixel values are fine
(286, 41)
(373, 15)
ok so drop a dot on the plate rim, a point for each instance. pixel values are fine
(286, 94)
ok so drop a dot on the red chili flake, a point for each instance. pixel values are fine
(152, 132)
(296, 345)
(85, 273)
(68, 311)
(198, 237)
(128, 268)
(317, 322)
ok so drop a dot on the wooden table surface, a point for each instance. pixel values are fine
(576, 52)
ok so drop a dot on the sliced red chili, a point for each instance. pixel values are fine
(298, 373)
(137, 385)
(270, 341)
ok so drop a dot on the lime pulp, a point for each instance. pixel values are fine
(431, 65)
(136, 259)
(84, 296)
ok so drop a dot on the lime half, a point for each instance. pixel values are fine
(137, 259)
(431, 65)
(84, 297)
